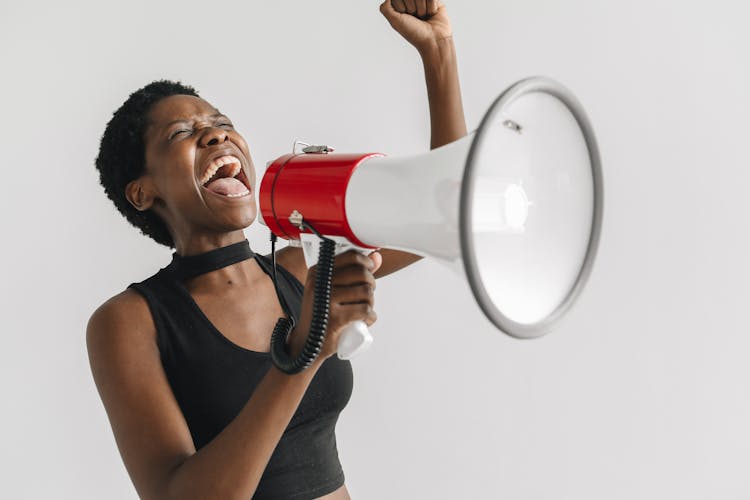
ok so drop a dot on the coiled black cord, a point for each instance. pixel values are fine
(321, 309)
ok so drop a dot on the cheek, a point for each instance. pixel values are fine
(240, 142)
(181, 165)
(177, 179)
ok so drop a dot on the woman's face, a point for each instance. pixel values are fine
(198, 169)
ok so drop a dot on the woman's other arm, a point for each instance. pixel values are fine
(425, 25)
(150, 430)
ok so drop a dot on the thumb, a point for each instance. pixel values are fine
(389, 12)
(377, 259)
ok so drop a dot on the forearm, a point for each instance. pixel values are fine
(231, 465)
(447, 122)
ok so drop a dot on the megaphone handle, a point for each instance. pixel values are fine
(354, 339)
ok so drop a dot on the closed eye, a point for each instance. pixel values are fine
(178, 132)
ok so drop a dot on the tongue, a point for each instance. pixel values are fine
(227, 185)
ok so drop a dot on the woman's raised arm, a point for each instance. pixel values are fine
(425, 24)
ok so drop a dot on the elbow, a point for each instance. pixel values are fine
(182, 483)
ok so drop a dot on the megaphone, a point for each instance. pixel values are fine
(516, 206)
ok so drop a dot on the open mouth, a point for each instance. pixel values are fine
(224, 176)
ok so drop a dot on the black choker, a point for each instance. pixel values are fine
(195, 265)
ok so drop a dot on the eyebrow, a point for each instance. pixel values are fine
(184, 120)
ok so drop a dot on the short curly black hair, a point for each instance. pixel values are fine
(122, 159)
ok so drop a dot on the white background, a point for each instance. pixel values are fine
(642, 393)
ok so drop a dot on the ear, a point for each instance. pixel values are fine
(140, 193)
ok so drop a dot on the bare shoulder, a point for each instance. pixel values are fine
(125, 314)
(127, 302)
(149, 428)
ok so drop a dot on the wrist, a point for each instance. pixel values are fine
(438, 52)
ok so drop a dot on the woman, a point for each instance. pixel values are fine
(181, 359)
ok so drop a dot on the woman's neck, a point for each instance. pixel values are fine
(244, 272)
(201, 243)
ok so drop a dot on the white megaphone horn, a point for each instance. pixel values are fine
(515, 205)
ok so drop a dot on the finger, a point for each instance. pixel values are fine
(356, 294)
(356, 312)
(349, 268)
(421, 8)
(432, 7)
(352, 275)
(387, 9)
(399, 6)
(391, 8)
(353, 257)
(411, 6)
(371, 317)
(377, 259)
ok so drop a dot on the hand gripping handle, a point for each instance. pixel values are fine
(356, 337)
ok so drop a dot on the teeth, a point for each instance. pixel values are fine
(238, 194)
(217, 163)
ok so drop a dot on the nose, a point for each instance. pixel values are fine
(212, 136)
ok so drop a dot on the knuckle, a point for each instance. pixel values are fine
(365, 261)
(364, 274)
(342, 259)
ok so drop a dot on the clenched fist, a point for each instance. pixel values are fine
(423, 23)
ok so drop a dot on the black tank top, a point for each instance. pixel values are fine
(212, 378)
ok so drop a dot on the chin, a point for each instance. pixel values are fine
(243, 218)
(250, 220)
